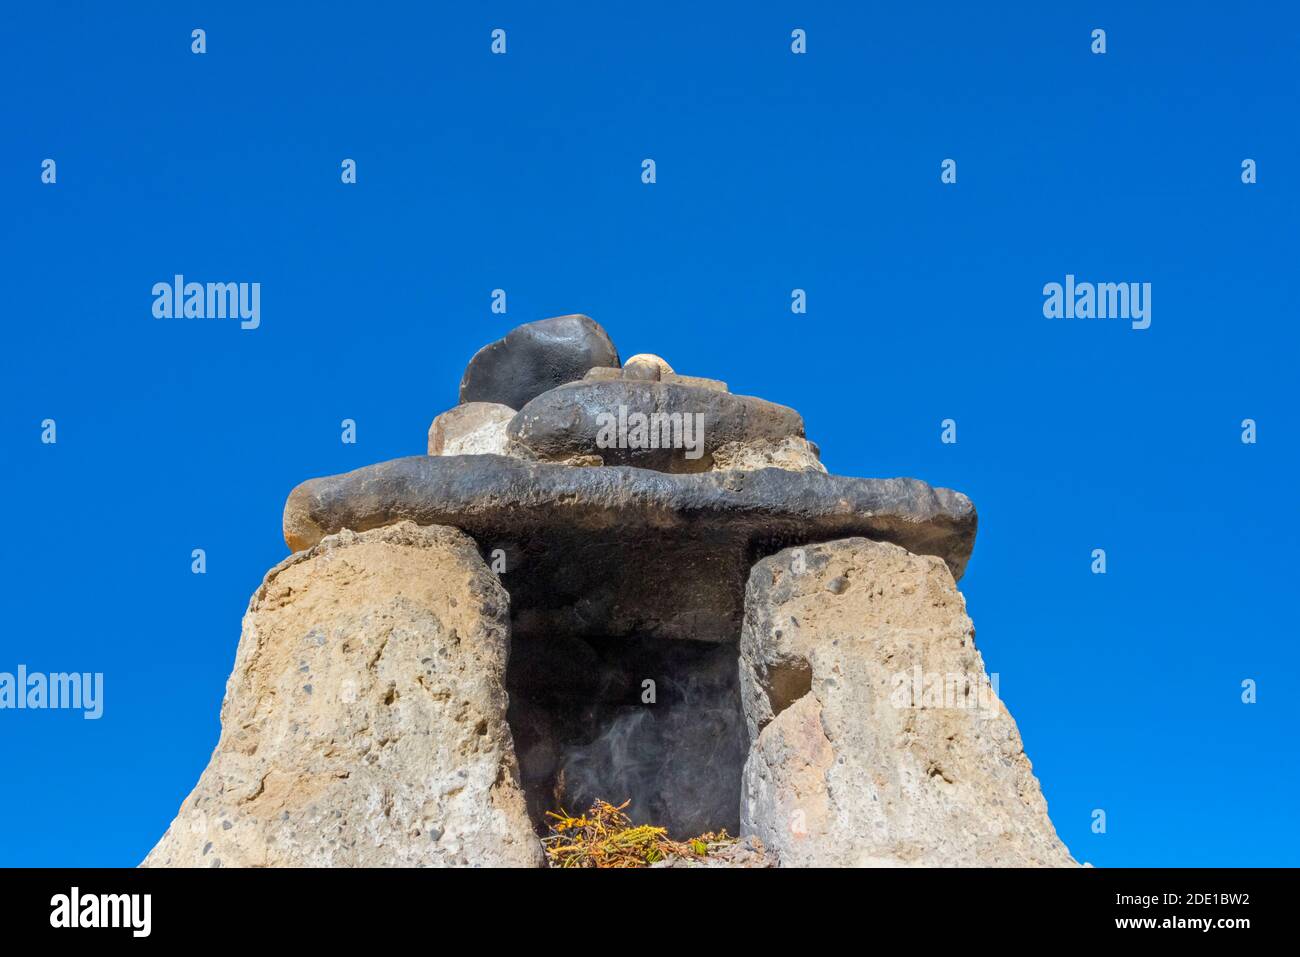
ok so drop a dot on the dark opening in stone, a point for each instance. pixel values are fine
(652, 720)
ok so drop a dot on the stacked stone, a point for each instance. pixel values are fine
(368, 719)
(539, 393)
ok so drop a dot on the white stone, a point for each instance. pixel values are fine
(472, 428)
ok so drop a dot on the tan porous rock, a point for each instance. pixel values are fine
(604, 374)
(364, 723)
(699, 382)
(472, 428)
(793, 453)
(876, 739)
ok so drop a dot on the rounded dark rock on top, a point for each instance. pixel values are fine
(534, 358)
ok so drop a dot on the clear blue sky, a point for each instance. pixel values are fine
(775, 171)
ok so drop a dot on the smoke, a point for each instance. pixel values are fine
(678, 759)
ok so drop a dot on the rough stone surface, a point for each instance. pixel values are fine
(697, 382)
(692, 423)
(845, 769)
(605, 374)
(535, 357)
(474, 428)
(792, 453)
(365, 721)
(614, 551)
(747, 852)
(642, 370)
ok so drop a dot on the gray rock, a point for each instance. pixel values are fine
(622, 551)
(747, 852)
(664, 426)
(535, 357)
(876, 738)
(364, 724)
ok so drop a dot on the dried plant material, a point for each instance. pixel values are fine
(606, 837)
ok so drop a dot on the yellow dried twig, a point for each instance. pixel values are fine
(604, 836)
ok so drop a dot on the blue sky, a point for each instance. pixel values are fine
(774, 172)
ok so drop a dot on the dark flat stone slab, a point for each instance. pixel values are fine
(621, 550)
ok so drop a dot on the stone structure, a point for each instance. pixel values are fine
(613, 581)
